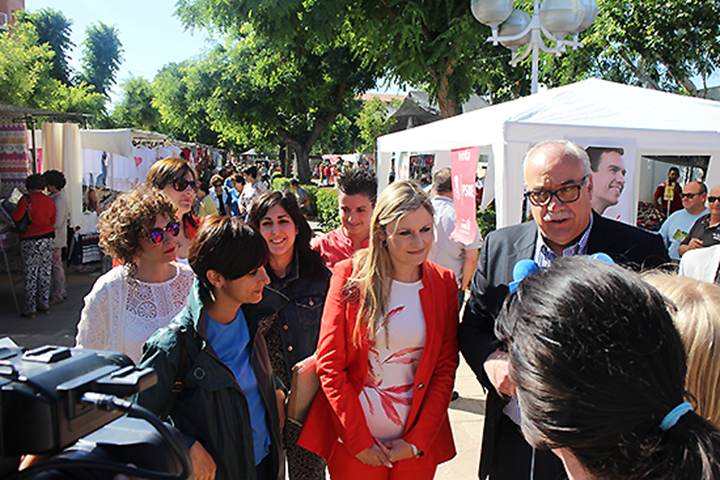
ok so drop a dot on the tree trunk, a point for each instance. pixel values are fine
(303, 165)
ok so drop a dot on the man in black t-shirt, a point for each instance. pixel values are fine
(705, 232)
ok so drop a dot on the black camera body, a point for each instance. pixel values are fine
(46, 406)
(41, 389)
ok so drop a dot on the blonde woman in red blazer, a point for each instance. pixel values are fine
(387, 352)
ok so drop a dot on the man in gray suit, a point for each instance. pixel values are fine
(559, 189)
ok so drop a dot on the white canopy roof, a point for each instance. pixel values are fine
(591, 112)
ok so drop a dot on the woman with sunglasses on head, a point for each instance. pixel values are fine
(149, 288)
(387, 352)
(298, 272)
(176, 178)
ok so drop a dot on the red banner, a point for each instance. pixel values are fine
(463, 163)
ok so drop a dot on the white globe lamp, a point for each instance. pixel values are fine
(561, 17)
(491, 12)
(514, 25)
(591, 12)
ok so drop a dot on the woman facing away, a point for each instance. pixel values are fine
(695, 310)
(600, 375)
(55, 185)
(298, 272)
(227, 407)
(387, 352)
(36, 245)
(252, 189)
(177, 179)
(149, 288)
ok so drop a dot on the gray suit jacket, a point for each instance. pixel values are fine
(627, 245)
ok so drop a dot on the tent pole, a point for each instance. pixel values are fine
(34, 148)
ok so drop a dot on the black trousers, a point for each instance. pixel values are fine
(513, 456)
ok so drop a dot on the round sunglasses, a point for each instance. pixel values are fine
(157, 235)
(180, 184)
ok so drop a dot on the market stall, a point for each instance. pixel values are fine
(592, 112)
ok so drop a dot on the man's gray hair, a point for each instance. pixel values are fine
(565, 148)
(442, 181)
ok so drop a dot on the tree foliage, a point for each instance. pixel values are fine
(287, 73)
(373, 122)
(26, 79)
(102, 56)
(136, 108)
(53, 29)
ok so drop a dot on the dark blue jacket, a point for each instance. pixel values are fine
(300, 319)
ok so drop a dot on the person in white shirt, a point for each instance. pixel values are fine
(676, 227)
(149, 288)
(55, 184)
(448, 252)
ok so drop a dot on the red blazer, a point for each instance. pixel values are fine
(342, 369)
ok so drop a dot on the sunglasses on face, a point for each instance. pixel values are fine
(157, 235)
(216, 185)
(713, 199)
(569, 194)
(180, 184)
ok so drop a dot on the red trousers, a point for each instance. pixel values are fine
(344, 466)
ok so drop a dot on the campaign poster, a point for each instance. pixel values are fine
(463, 163)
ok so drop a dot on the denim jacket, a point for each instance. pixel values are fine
(300, 319)
(212, 407)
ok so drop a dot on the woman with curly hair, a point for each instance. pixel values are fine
(149, 288)
(177, 179)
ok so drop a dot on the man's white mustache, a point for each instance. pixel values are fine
(555, 216)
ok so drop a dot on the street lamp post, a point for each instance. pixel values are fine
(554, 19)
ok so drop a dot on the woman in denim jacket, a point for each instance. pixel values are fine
(298, 272)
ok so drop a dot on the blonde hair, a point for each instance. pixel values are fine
(372, 268)
(697, 317)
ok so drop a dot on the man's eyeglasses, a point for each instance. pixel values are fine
(688, 195)
(216, 185)
(713, 199)
(157, 235)
(568, 194)
(181, 184)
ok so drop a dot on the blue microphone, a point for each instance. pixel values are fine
(522, 269)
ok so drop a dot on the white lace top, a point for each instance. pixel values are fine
(120, 315)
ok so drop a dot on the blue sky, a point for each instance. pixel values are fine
(151, 35)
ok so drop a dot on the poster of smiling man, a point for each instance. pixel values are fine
(611, 176)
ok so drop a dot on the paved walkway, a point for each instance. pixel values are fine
(58, 328)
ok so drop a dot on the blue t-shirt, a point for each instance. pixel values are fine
(231, 342)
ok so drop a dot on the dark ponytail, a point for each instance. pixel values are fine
(598, 364)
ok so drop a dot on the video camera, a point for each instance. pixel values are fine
(52, 398)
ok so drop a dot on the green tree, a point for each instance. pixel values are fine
(373, 122)
(26, 80)
(102, 56)
(54, 29)
(181, 92)
(289, 77)
(135, 108)
(430, 43)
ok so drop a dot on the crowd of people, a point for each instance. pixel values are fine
(598, 360)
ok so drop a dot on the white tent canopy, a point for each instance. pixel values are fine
(591, 112)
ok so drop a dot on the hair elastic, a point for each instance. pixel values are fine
(674, 415)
